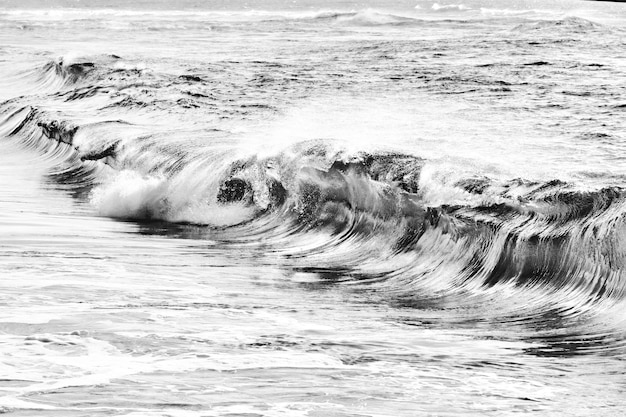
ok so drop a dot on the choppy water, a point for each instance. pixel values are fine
(312, 209)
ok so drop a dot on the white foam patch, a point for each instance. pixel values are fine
(485, 11)
(449, 7)
(437, 185)
(186, 198)
(130, 195)
(171, 412)
(86, 362)
(214, 215)
(15, 403)
(274, 410)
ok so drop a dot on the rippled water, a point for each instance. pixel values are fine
(312, 208)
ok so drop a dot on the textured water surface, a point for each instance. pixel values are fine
(312, 208)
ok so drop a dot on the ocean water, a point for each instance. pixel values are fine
(312, 208)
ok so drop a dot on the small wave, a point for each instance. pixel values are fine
(569, 24)
(65, 72)
(374, 18)
(366, 17)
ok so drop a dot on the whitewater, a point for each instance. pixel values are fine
(312, 208)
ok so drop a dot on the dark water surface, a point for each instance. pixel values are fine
(312, 208)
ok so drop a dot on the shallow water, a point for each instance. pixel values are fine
(312, 209)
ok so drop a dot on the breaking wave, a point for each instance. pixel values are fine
(371, 218)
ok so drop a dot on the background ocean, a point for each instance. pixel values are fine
(312, 208)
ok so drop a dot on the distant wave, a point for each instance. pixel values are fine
(176, 21)
(366, 17)
(569, 24)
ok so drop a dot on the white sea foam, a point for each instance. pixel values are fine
(131, 195)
